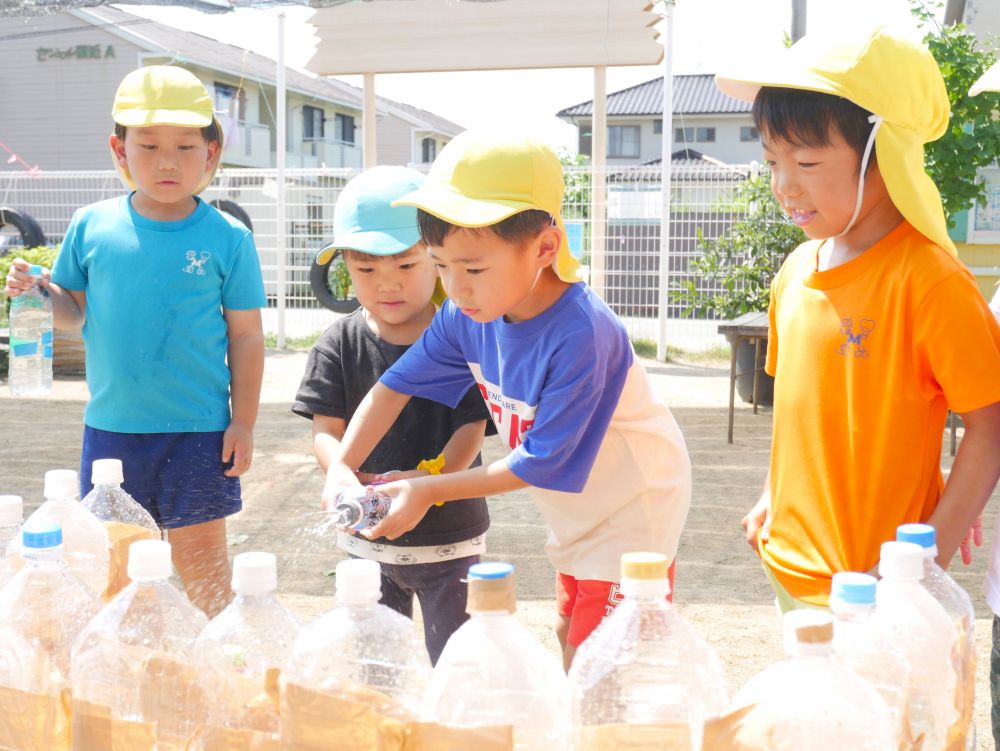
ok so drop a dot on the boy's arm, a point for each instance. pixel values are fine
(973, 477)
(69, 306)
(758, 520)
(246, 366)
(327, 433)
(461, 450)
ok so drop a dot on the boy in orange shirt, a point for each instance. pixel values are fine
(876, 328)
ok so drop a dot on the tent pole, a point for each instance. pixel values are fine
(666, 136)
(281, 144)
(368, 123)
(598, 197)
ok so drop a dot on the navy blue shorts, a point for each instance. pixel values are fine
(177, 477)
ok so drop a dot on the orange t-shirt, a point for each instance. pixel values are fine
(867, 358)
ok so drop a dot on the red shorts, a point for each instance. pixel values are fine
(586, 602)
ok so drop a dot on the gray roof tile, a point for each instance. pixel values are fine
(693, 95)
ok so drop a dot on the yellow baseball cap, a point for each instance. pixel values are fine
(989, 81)
(164, 95)
(483, 176)
(886, 72)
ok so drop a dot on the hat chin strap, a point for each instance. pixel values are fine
(877, 120)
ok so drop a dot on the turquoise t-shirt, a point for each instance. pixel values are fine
(154, 331)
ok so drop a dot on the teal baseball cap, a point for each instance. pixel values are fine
(364, 218)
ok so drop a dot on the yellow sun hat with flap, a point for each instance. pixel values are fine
(892, 75)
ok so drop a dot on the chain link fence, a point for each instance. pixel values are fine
(620, 250)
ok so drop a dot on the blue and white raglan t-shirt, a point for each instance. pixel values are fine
(154, 329)
(605, 459)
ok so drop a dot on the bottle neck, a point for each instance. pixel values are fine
(645, 590)
(852, 612)
(42, 557)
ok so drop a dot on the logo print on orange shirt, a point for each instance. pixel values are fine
(856, 340)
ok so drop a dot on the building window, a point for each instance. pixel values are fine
(312, 123)
(658, 126)
(623, 141)
(343, 128)
(230, 101)
(428, 150)
(684, 135)
(584, 145)
(749, 133)
(705, 135)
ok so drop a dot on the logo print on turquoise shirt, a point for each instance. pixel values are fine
(196, 262)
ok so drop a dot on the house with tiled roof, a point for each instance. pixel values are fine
(705, 122)
(61, 72)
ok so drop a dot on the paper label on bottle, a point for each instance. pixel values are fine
(34, 722)
(653, 737)
(121, 536)
(233, 739)
(95, 730)
(310, 719)
(170, 693)
(429, 736)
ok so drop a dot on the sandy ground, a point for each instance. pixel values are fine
(720, 586)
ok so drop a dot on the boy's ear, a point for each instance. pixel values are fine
(548, 243)
(117, 148)
(214, 154)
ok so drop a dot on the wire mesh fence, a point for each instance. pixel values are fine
(619, 245)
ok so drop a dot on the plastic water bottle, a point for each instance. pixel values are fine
(85, 540)
(808, 701)
(123, 518)
(47, 604)
(916, 627)
(242, 649)
(858, 646)
(360, 652)
(645, 665)
(11, 515)
(134, 662)
(493, 672)
(359, 508)
(31, 341)
(958, 605)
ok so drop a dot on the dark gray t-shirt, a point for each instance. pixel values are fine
(344, 364)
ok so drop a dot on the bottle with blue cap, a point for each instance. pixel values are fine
(644, 669)
(30, 369)
(957, 603)
(134, 662)
(916, 627)
(46, 603)
(359, 653)
(244, 647)
(808, 701)
(494, 673)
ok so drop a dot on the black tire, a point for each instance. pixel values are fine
(30, 231)
(319, 281)
(233, 209)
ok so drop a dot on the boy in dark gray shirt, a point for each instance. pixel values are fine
(394, 280)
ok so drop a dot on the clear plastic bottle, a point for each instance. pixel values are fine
(357, 648)
(917, 628)
(958, 605)
(239, 647)
(85, 540)
(11, 516)
(123, 518)
(30, 371)
(494, 672)
(857, 644)
(47, 605)
(136, 658)
(644, 664)
(808, 701)
(360, 509)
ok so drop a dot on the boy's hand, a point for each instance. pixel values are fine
(973, 537)
(409, 505)
(19, 280)
(758, 521)
(398, 474)
(338, 478)
(237, 444)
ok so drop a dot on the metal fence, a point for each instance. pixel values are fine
(621, 252)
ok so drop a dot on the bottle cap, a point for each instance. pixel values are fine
(41, 537)
(854, 588)
(359, 580)
(808, 632)
(644, 566)
(492, 588)
(61, 483)
(255, 573)
(903, 560)
(11, 510)
(923, 535)
(107, 472)
(149, 559)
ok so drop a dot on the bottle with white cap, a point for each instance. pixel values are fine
(958, 605)
(808, 701)
(85, 540)
(11, 516)
(645, 665)
(47, 604)
(359, 648)
(917, 628)
(124, 519)
(135, 660)
(493, 672)
(245, 646)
